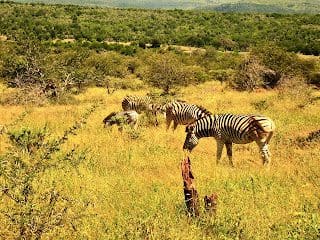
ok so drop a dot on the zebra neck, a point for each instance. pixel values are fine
(205, 127)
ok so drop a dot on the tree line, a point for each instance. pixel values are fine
(224, 31)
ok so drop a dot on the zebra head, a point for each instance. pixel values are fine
(191, 138)
(110, 119)
(156, 108)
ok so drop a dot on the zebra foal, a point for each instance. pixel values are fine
(228, 129)
(183, 113)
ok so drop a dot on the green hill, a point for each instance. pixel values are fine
(272, 6)
(226, 31)
(311, 7)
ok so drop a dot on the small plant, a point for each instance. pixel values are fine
(133, 133)
(261, 105)
(312, 137)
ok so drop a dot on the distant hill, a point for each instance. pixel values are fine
(265, 6)
(249, 7)
(303, 7)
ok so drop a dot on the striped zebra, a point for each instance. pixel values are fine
(228, 129)
(119, 118)
(141, 104)
(183, 113)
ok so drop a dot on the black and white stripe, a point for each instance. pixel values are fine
(228, 129)
(137, 103)
(183, 113)
(141, 104)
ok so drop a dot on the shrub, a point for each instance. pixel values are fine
(251, 75)
(314, 78)
(283, 63)
(110, 64)
(32, 208)
(267, 64)
(297, 89)
(221, 75)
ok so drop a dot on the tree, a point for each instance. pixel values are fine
(166, 72)
(105, 66)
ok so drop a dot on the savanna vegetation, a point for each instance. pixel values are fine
(226, 31)
(102, 184)
(269, 6)
(62, 175)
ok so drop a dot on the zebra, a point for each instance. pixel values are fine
(119, 118)
(141, 104)
(230, 128)
(183, 113)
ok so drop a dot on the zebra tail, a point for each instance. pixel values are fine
(264, 124)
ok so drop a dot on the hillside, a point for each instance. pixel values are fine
(225, 31)
(284, 6)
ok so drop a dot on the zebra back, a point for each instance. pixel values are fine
(233, 128)
(136, 103)
(184, 113)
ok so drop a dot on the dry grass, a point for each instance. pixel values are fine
(134, 186)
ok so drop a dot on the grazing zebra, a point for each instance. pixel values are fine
(228, 129)
(183, 113)
(119, 118)
(141, 104)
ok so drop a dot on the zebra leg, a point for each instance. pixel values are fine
(265, 154)
(168, 120)
(175, 125)
(264, 149)
(156, 121)
(135, 125)
(219, 150)
(229, 153)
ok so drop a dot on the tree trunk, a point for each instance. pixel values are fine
(189, 189)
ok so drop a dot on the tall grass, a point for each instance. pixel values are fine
(133, 186)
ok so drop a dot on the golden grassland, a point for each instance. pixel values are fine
(133, 187)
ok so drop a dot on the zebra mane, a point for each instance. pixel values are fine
(180, 100)
(204, 110)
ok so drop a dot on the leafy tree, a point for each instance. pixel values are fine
(166, 72)
(23, 66)
(104, 66)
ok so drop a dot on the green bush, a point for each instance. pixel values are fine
(314, 78)
(282, 62)
(267, 64)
